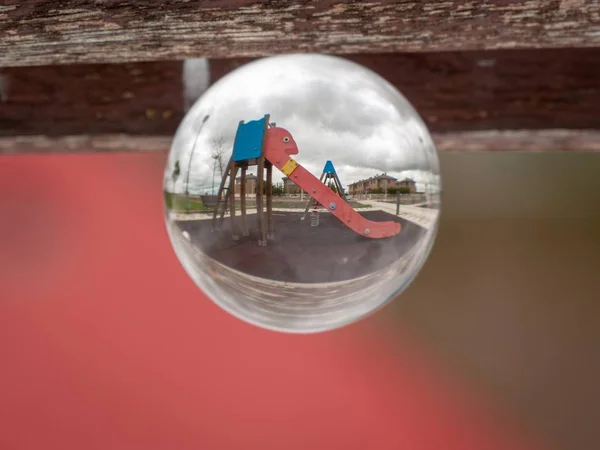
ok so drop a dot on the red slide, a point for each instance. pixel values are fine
(279, 146)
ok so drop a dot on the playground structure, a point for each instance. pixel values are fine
(329, 175)
(265, 145)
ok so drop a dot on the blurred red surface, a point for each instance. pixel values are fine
(106, 343)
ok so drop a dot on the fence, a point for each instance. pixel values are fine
(405, 199)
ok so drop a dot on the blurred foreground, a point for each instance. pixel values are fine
(106, 343)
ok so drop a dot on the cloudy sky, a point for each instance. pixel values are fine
(335, 109)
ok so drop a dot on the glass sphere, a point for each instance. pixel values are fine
(302, 192)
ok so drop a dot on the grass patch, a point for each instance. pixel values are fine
(180, 202)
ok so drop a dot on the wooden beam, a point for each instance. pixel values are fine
(133, 98)
(587, 141)
(84, 143)
(482, 90)
(452, 91)
(516, 100)
(36, 32)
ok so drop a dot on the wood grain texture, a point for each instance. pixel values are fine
(502, 100)
(132, 98)
(517, 100)
(532, 141)
(36, 32)
(452, 91)
(482, 90)
(84, 143)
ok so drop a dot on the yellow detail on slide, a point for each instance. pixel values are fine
(289, 167)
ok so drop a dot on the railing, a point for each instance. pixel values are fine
(517, 76)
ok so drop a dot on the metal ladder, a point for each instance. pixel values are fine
(325, 177)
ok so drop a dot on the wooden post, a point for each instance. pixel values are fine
(270, 229)
(260, 173)
(243, 202)
(234, 231)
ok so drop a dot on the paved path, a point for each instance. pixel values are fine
(182, 216)
(424, 217)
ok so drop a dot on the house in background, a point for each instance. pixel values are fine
(408, 183)
(378, 183)
(251, 182)
(381, 184)
(289, 187)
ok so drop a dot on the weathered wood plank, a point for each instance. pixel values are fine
(587, 141)
(84, 143)
(132, 98)
(453, 91)
(35, 32)
(533, 141)
(480, 90)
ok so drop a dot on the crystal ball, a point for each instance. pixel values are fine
(302, 192)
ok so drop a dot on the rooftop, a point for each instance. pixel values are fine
(383, 176)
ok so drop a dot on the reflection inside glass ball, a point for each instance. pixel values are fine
(302, 192)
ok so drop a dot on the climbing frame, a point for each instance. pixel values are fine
(248, 150)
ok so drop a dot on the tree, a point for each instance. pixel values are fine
(277, 189)
(398, 189)
(189, 168)
(176, 173)
(218, 146)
